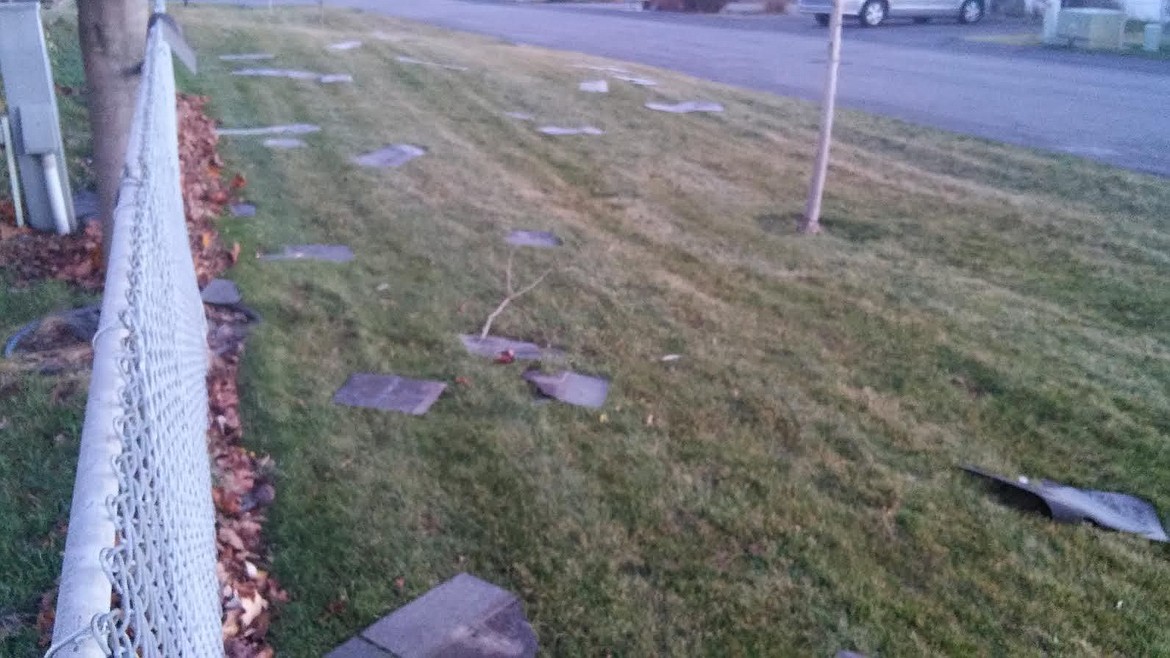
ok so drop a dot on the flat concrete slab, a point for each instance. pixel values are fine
(345, 45)
(520, 116)
(390, 157)
(604, 69)
(335, 78)
(564, 130)
(334, 253)
(359, 647)
(492, 347)
(641, 82)
(247, 57)
(281, 129)
(285, 143)
(422, 62)
(526, 238)
(571, 388)
(389, 393)
(464, 617)
(594, 86)
(221, 292)
(242, 210)
(277, 73)
(686, 107)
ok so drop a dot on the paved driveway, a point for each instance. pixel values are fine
(1108, 108)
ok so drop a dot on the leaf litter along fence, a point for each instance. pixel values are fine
(138, 577)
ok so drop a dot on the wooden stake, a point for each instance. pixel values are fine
(811, 222)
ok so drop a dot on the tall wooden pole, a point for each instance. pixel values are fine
(811, 222)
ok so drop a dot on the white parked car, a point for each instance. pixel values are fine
(871, 13)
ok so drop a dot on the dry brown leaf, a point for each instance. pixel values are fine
(252, 606)
(229, 537)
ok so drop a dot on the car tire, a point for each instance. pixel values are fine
(971, 12)
(873, 13)
(823, 20)
(921, 20)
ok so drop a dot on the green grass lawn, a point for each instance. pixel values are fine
(789, 485)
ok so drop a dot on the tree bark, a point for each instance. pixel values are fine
(113, 44)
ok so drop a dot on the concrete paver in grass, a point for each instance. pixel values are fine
(594, 86)
(293, 74)
(405, 59)
(464, 617)
(246, 57)
(604, 69)
(571, 388)
(283, 129)
(527, 238)
(389, 393)
(568, 130)
(641, 82)
(686, 107)
(392, 156)
(344, 45)
(335, 78)
(221, 292)
(277, 73)
(285, 143)
(520, 116)
(242, 210)
(492, 347)
(334, 253)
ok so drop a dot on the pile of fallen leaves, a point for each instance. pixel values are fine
(32, 255)
(205, 193)
(242, 481)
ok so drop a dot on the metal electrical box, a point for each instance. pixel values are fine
(32, 110)
(1091, 28)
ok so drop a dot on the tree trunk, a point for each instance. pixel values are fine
(113, 43)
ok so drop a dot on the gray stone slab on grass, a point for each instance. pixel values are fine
(520, 116)
(564, 130)
(222, 293)
(571, 388)
(641, 82)
(686, 107)
(277, 73)
(422, 62)
(493, 346)
(391, 156)
(345, 45)
(242, 210)
(606, 69)
(464, 617)
(594, 86)
(525, 238)
(85, 204)
(389, 393)
(334, 253)
(1065, 504)
(282, 129)
(247, 57)
(359, 647)
(285, 143)
(336, 78)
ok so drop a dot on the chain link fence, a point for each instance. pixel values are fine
(138, 577)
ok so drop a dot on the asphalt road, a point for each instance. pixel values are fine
(1109, 108)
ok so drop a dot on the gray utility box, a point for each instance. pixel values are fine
(1091, 28)
(32, 109)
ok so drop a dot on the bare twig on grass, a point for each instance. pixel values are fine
(511, 293)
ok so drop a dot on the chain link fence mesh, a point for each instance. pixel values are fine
(139, 571)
